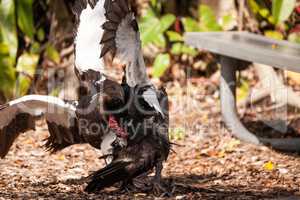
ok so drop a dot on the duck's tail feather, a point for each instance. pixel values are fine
(108, 176)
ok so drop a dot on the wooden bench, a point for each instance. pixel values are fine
(243, 46)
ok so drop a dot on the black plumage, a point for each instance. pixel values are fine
(148, 147)
(112, 16)
(107, 36)
(135, 113)
(110, 26)
(115, 11)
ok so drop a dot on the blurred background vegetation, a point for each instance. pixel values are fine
(36, 38)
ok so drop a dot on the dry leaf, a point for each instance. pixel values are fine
(61, 157)
(295, 77)
(221, 154)
(19, 162)
(269, 166)
(232, 145)
(29, 141)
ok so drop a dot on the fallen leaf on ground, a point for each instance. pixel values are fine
(269, 166)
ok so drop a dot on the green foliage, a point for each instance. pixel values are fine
(191, 25)
(180, 48)
(7, 75)
(153, 28)
(274, 34)
(275, 16)
(282, 9)
(157, 29)
(8, 46)
(8, 27)
(19, 49)
(26, 67)
(208, 21)
(177, 134)
(161, 64)
(25, 17)
(52, 54)
(261, 10)
(174, 36)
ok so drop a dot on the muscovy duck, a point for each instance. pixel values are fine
(146, 107)
(65, 119)
(72, 122)
(148, 147)
(68, 123)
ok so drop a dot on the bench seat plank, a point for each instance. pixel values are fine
(249, 47)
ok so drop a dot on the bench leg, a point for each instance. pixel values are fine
(228, 101)
(230, 116)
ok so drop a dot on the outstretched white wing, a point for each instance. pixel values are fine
(19, 116)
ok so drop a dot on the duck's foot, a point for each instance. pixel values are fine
(159, 189)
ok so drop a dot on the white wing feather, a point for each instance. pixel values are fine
(88, 37)
(54, 109)
(151, 98)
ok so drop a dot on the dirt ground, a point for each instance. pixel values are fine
(206, 163)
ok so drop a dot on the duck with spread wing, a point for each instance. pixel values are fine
(147, 109)
(132, 116)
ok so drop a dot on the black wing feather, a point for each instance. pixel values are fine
(108, 176)
(21, 123)
(116, 11)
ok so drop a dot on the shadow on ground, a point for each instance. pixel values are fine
(181, 187)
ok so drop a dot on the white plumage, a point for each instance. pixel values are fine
(151, 98)
(87, 42)
(54, 109)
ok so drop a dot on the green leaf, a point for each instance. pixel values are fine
(176, 48)
(254, 6)
(52, 54)
(208, 19)
(274, 34)
(41, 35)
(153, 2)
(190, 25)
(25, 17)
(8, 27)
(26, 67)
(149, 28)
(166, 22)
(243, 90)
(7, 75)
(177, 134)
(174, 36)
(271, 19)
(4, 49)
(160, 41)
(153, 28)
(189, 50)
(264, 12)
(180, 48)
(35, 48)
(282, 9)
(227, 21)
(161, 64)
